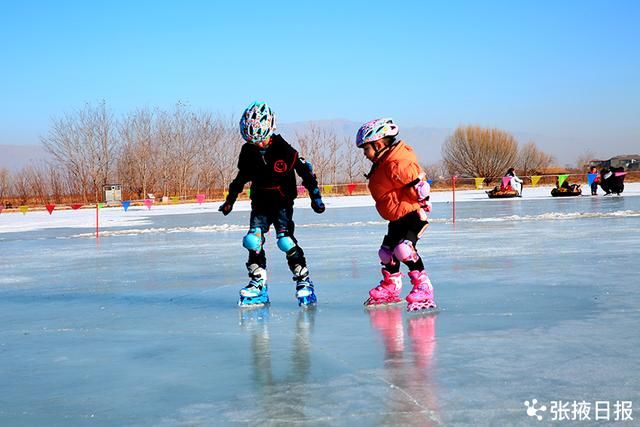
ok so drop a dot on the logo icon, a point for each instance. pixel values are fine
(532, 411)
(280, 166)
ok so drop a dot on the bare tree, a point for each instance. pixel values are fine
(355, 163)
(186, 147)
(210, 138)
(225, 158)
(137, 155)
(36, 176)
(320, 147)
(531, 160)
(479, 152)
(584, 160)
(84, 144)
(5, 183)
(57, 183)
(435, 170)
(21, 186)
(165, 161)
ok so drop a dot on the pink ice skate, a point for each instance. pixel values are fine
(421, 296)
(387, 292)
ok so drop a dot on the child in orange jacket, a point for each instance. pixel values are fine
(398, 186)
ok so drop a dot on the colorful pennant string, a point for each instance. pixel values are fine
(562, 179)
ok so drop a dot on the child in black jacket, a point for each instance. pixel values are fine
(270, 163)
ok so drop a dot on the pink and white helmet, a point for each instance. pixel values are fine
(375, 130)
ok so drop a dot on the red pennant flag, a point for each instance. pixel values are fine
(76, 206)
(148, 203)
(200, 198)
(506, 180)
(50, 207)
(350, 188)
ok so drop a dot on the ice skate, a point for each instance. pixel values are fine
(304, 287)
(387, 292)
(421, 296)
(255, 293)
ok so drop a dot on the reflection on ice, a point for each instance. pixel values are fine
(278, 398)
(412, 396)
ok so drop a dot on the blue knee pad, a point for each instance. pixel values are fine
(253, 240)
(285, 243)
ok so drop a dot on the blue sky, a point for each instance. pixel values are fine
(568, 70)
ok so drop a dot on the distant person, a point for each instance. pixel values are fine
(596, 180)
(515, 182)
(612, 180)
(566, 186)
(398, 186)
(271, 164)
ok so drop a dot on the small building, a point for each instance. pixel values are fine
(627, 161)
(112, 193)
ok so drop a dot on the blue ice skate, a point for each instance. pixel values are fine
(305, 293)
(304, 286)
(255, 293)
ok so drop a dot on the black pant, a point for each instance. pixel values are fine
(282, 220)
(410, 227)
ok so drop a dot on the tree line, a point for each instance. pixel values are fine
(182, 152)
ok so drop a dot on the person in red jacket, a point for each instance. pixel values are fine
(399, 187)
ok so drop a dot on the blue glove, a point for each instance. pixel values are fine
(316, 201)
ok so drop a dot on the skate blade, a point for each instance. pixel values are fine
(422, 307)
(307, 302)
(373, 304)
(250, 304)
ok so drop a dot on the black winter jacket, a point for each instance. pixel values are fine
(271, 172)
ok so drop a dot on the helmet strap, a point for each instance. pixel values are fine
(264, 144)
(379, 152)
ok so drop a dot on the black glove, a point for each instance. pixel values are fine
(225, 208)
(316, 201)
(317, 205)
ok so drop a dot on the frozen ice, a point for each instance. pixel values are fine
(538, 300)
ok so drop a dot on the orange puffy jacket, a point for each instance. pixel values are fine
(389, 179)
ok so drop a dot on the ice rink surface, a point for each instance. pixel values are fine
(538, 296)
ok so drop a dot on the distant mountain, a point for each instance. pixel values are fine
(15, 157)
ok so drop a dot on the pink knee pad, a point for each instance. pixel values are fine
(405, 251)
(386, 255)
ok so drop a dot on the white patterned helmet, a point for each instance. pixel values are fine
(375, 130)
(257, 123)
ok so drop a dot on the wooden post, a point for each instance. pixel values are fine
(97, 226)
(453, 181)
